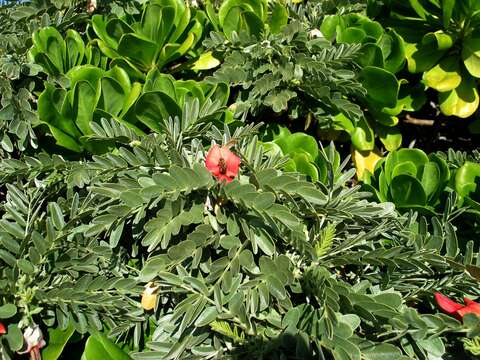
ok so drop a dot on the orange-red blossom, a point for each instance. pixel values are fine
(451, 307)
(222, 163)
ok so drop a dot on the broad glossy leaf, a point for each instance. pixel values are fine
(447, 11)
(406, 191)
(75, 49)
(256, 6)
(57, 339)
(465, 178)
(99, 347)
(88, 73)
(351, 35)
(85, 98)
(390, 136)
(445, 76)
(329, 26)
(154, 108)
(461, 101)
(206, 61)
(49, 41)
(279, 18)
(440, 39)
(50, 103)
(304, 164)
(418, 8)
(415, 156)
(371, 55)
(471, 55)
(157, 22)
(140, 50)
(429, 176)
(182, 20)
(297, 142)
(112, 96)
(381, 85)
(405, 168)
(362, 136)
(422, 57)
(395, 58)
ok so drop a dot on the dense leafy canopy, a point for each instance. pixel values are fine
(176, 181)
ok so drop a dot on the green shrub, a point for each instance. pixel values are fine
(410, 179)
(57, 55)
(166, 31)
(94, 93)
(251, 16)
(442, 45)
(300, 78)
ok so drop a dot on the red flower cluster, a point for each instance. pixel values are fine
(453, 308)
(222, 163)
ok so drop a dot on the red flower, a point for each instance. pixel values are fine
(3, 329)
(458, 310)
(222, 163)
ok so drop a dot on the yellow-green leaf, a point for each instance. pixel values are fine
(445, 76)
(471, 55)
(462, 101)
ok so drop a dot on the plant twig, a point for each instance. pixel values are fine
(422, 122)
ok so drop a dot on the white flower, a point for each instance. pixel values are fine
(33, 342)
(315, 33)
(91, 6)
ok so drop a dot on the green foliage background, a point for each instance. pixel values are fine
(103, 187)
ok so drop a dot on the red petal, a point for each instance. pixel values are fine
(447, 305)
(222, 177)
(3, 330)
(468, 301)
(232, 161)
(212, 159)
(473, 307)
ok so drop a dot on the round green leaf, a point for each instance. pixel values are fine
(390, 137)
(371, 55)
(404, 168)
(465, 178)
(279, 18)
(99, 347)
(382, 86)
(362, 136)
(429, 176)
(445, 76)
(422, 57)
(351, 36)
(305, 165)
(329, 26)
(395, 57)
(471, 55)
(7, 311)
(439, 39)
(297, 142)
(14, 337)
(406, 190)
(461, 101)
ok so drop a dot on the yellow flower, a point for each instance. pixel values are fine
(149, 296)
(365, 160)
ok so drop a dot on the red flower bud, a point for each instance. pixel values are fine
(3, 329)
